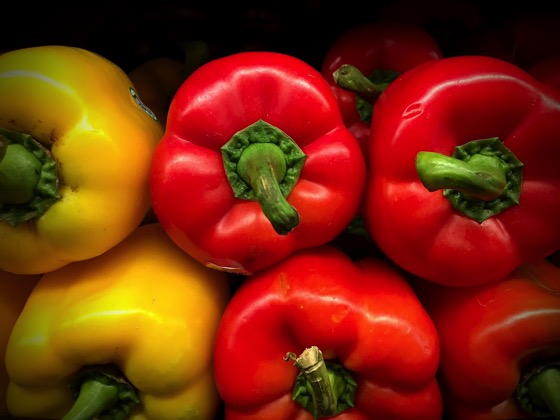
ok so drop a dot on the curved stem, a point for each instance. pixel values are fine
(102, 392)
(481, 177)
(263, 166)
(94, 398)
(350, 78)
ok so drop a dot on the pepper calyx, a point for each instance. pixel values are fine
(481, 179)
(324, 388)
(28, 178)
(263, 163)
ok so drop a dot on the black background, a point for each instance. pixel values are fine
(129, 33)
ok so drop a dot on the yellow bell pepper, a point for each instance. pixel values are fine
(74, 165)
(144, 308)
(14, 291)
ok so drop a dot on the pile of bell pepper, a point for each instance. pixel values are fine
(180, 241)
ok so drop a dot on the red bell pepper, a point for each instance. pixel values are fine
(255, 163)
(464, 183)
(379, 346)
(380, 51)
(500, 344)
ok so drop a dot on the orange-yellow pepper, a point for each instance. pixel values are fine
(76, 146)
(14, 291)
(145, 309)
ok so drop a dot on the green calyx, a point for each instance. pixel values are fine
(263, 163)
(481, 178)
(538, 391)
(28, 178)
(102, 393)
(325, 389)
(367, 89)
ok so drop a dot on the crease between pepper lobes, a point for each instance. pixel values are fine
(14, 291)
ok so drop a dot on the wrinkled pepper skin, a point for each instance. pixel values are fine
(143, 306)
(192, 192)
(491, 336)
(14, 291)
(362, 314)
(441, 107)
(370, 47)
(83, 111)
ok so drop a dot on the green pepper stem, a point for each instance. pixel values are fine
(313, 367)
(544, 390)
(324, 389)
(20, 172)
(94, 397)
(348, 77)
(28, 178)
(102, 392)
(263, 166)
(481, 177)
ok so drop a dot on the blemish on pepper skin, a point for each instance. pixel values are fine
(53, 137)
(485, 304)
(412, 111)
(339, 315)
(284, 284)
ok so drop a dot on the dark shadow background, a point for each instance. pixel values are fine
(129, 33)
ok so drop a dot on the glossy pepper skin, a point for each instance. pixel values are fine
(255, 163)
(451, 209)
(380, 51)
(363, 316)
(14, 291)
(95, 138)
(494, 338)
(144, 307)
